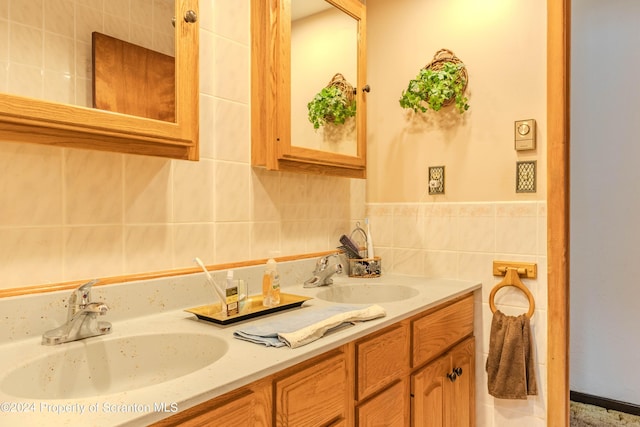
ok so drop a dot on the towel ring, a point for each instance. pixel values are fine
(512, 278)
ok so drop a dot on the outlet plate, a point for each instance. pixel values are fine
(526, 177)
(436, 180)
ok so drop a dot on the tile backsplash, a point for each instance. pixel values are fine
(45, 46)
(70, 214)
(461, 241)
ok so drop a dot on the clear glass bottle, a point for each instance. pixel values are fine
(271, 284)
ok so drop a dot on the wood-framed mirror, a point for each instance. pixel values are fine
(54, 120)
(290, 47)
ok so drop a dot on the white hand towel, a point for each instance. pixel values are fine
(298, 329)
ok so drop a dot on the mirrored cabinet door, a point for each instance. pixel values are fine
(304, 52)
(96, 75)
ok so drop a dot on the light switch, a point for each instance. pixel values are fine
(525, 135)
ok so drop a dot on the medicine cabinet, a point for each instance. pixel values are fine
(28, 118)
(298, 46)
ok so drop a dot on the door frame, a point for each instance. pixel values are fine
(558, 115)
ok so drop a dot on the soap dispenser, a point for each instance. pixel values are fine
(271, 284)
(231, 294)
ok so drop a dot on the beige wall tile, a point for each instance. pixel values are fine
(266, 195)
(231, 19)
(193, 191)
(232, 80)
(22, 40)
(232, 131)
(265, 239)
(31, 186)
(4, 9)
(93, 251)
(194, 240)
(59, 17)
(408, 261)
(207, 126)
(28, 12)
(233, 192)
(233, 241)
(30, 256)
(441, 264)
(93, 187)
(148, 194)
(408, 228)
(147, 248)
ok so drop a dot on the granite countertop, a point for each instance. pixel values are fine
(243, 362)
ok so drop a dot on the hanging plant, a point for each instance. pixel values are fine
(335, 103)
(440, 83)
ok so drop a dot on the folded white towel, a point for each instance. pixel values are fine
(298, 329)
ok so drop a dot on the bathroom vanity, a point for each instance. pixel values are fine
(418, 371)
(162, 366)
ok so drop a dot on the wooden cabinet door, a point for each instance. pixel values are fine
(460, 407)
(314, 396)
(443, 392)
(429, 393)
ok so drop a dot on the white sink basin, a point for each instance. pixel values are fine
(101, 366)
(363, 293)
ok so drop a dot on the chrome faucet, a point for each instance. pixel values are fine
(81, 318)
(323, 272)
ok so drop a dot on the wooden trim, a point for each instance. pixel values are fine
(606, 403)
(558, 116)
(29, 290)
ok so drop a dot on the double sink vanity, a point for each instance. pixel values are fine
(160, 364)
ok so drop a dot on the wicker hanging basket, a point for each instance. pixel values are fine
(345, 87)
(439, 59)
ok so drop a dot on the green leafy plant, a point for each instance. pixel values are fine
(435, 88)
(330, 105)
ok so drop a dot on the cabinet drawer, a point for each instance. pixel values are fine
(248, 406)
(390, 408)
(316, 395)
(382, 359)
(439, 330)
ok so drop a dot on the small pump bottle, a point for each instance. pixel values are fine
(231, 294)
(271, 284)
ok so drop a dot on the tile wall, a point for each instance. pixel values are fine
(69, 214)
(460, 241)
(45, 46)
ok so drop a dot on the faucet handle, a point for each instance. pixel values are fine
(80, 297)
(323, 261)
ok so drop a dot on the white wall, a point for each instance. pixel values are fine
(605, 111)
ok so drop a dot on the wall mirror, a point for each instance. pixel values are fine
(299, 47)
(47, 91)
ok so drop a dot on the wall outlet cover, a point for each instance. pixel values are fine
(436, 179)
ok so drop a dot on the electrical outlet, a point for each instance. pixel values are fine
(436, 179)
